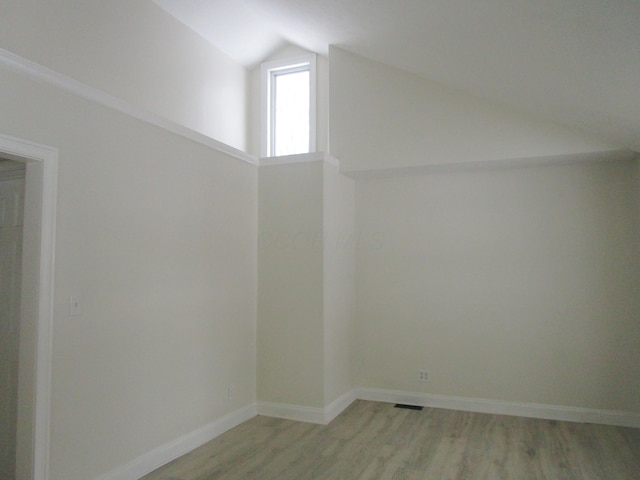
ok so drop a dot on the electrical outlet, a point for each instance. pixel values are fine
(423, 376)
(231, 391)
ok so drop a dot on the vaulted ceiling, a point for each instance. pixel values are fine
(576, 62)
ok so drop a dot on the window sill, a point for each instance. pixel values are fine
(298, 158)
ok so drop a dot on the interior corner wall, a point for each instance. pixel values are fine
(290, 285)
(515, 284)
(340, 241)
(306, 262)
(157, 234)
(137, 52)
(382, 118)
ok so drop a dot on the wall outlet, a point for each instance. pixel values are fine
(423, 376)
(231, 391)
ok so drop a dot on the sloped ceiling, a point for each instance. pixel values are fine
(576, 62)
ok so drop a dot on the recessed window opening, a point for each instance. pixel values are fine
(288, 107)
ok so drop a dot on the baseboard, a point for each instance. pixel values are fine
(336, 407)
(166, 453)
(531, 410)
(292, 412)
(299, 413)
(170, 451)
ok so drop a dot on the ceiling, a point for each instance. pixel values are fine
(576, 62)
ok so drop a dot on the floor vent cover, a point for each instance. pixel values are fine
(408, 407)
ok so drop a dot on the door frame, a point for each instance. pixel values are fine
(34, 389)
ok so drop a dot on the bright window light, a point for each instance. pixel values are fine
(289, 107)
(290, 119)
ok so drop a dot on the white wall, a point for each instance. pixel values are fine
(383, 118)
(306, 248)
(339, 240)
(290, 285)
(158, 236)
(133, 50)
(516, 284)
(512, 284)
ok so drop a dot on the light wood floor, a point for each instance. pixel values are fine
(373, 440)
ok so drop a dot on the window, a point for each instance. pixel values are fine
(288, 107)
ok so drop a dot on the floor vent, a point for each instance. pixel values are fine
(408, 407)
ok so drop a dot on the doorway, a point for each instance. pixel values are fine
(12, 180)
(33, 313)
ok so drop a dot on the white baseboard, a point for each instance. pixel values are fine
(531, 410)
(154, 459)
(336, 407)
(166, 453)
(320, 416)
(292, 412)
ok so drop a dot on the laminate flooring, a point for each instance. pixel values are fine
(375, 441)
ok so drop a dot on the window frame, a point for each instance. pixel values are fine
(268, 71)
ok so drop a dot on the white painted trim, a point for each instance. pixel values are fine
(321, 416)
(473, 166)
(154, 459)
(291, 159)
(47, 159)
(479, 405)
(292, 412)
(299, 158)
(338, 406)
(37, 72)
(331, 160)
(313, 103)
(265, 98)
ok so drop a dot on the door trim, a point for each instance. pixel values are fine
(40, 211)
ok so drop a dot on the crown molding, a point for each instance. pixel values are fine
(35, 71)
